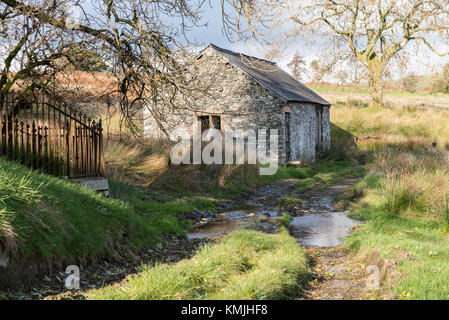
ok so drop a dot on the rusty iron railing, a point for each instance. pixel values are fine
(48, 136)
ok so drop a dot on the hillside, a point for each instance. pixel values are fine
(46, 222)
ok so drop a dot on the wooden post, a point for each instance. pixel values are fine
(54, 144)
(85, 145)
(36, 118)
(43, 137)
(49, 141)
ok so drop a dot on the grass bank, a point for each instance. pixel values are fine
(245, 265)
(46, 221)
(406, 194)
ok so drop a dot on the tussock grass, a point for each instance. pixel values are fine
(245, 265)
(405, 193)
(148, 165)
(142, 162)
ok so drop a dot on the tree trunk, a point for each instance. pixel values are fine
(375, 72)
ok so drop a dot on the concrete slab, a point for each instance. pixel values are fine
(97, 184)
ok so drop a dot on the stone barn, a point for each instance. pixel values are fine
(250, 93)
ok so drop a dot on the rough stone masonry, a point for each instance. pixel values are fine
(243, 93)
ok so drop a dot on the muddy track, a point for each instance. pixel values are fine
(335, 274)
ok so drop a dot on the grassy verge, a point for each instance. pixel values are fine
(405, 201)
(45, 219)
(423, 240)
(323, 173)
(245, 265)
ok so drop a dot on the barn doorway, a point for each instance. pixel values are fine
(319, 129)
(287, 135)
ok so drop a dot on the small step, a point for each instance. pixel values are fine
(98, 184)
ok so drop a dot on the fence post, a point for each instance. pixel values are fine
(67, 146)
(23, 149)
(6, 124)
(100, 142)
(46, 139)
(94, 146)
(33, 143)
(2, 100)
(46, 149)
(28, 145)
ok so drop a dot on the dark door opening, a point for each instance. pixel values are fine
(287, 136)
(319, 130)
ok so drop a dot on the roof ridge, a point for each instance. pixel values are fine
(238, 53)
(277, 81)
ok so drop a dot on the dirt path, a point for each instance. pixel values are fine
(337, 273)
(337, 276)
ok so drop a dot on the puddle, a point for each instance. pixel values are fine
(321, 229)
(327, 229)
(216, 228)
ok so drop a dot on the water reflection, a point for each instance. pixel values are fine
(321, 229)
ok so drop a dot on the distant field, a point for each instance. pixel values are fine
(394, 98)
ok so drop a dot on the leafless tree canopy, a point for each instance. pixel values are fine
(142, 44)
(297, 66)
(372, 31)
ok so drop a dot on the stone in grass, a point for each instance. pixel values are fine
(290, 204)
(385, 267)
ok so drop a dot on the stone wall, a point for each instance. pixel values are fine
(303, 132)
(240, 100)
(326, 129)
(244, 104)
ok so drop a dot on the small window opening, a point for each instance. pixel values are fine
(210, 121)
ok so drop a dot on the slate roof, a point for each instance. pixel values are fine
(272, 77)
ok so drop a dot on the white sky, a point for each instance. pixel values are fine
(213, 33)
(419, 64)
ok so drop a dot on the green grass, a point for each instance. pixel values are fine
(365, 90)
(329, 172)
(425, 275)
(48, 219)
(289, 202)
(322, 173)
(405, 198)
(245, 265)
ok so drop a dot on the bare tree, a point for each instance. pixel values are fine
(321, 69)
(372, 31)
(297, 66)
(342, 77)
(143, 43)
